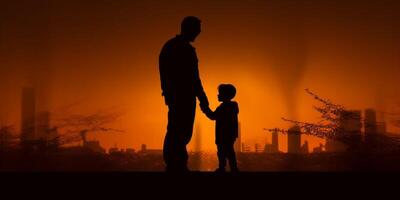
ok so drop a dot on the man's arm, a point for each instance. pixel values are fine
(209, 113)
(201, 95)
(164, 62)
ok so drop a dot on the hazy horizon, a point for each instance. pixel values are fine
(92, 56)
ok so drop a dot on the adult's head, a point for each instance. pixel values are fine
(190, 28)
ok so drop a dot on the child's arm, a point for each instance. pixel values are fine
(209, 113)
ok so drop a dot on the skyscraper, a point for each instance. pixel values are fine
(43, 126)
(370, 127)
(350, 126)
(350, 122)
(275, 144)
(381, 128)
(294, 140)
(370, 122)
(28, 118)
(257, 148)
(305, 147)
(334, 146)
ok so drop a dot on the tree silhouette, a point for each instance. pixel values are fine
(329, 125)
(74, 128)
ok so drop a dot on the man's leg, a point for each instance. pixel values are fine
(169, 148)
(187, 118)
(179, 133)
(172, 142)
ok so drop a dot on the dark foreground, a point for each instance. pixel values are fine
(123, 176)
(206, 185)
(80, 161)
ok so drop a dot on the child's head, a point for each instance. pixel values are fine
(226, 92)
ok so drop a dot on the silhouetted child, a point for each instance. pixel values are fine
(226, 130)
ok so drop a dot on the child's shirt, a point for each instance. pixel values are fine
(226, 117)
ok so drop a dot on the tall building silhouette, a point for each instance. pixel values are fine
(43, 126)
(381, 128)
(305, 148)
(275, 141)
(350, 121)
(334, 146)
(370, 126)
(274, 146)
(370, 122)
(245, 148)
(350, 125)
(143, 148)
(294, 140)
(257, 148)
(238, 142)
(28, 116)
(318, 149)
(373, 129)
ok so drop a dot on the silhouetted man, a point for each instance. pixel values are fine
(180, 84)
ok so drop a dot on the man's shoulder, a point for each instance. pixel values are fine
(170, 43)
(169, 47)
(172, 40)
(177, 43)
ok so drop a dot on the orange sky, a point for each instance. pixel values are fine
(93, 56)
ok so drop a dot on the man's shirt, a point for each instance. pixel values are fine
(179, 73)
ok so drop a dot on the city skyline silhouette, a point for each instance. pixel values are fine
(98, 60)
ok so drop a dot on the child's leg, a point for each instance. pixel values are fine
(221, 156)
(231, 155)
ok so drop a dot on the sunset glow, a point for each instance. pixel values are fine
(84, 58)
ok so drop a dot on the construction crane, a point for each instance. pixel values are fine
(74, 136)
(78, 126)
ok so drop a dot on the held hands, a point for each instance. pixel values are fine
(204, 107)
(204, 104)
(207, 111)
(167, 99)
